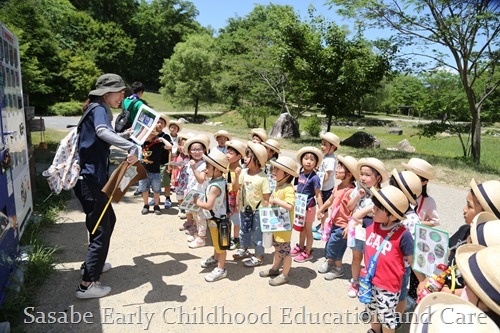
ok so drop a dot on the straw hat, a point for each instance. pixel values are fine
(286, 164)
(185, 135)
(479, 268)
(332, 138)
(350, 163)
(197, 139)
(376, 164)
(204, 137)
(421, 167)
(485, 229)
(272, 144)
(239, 145)
(165, 118)
(312, 150)
(222, 133)
(393, 199)
(442, 312)
(260, 133)
(177, 123)
(409, 183)
(259, 152)
(488, 195)
(218, 159)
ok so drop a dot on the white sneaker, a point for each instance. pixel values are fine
(105, 268)
(210, 262)
(216, 274)
(94, 290)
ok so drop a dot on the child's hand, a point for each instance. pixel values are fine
(192, 163)
(195, 199)
(237, 172)
(344, 233)
(361, 193)
(168, 170)
(321, 215)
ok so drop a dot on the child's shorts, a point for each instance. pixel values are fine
(384, 305)
(165, 177)
(325, 195)
(311, 214)
(214, 234)
(236, 219)
(283, 249)
(153, 181)
(358, 246)
(404, 286)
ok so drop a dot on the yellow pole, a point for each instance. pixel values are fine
(102, 214)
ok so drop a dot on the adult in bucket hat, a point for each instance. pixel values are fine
(442, 312)
(96, 137)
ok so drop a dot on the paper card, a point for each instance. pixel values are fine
(188, 203)
(300, 204)
(431, 249)
(177, 164)
(127, 178)
(274, 219)
(144, 123)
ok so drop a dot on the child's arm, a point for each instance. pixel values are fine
(212, 195)
(319, 198)
(282, 203)
(265, 199)
(199, 175)
(354, 201)
(324, 206)
(420, 276)
(327, 176)
(358, 216)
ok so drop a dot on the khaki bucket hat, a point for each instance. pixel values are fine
(261, 133)
(197, 139)
(409, 183)
(239, 145)
(485, 229)
(438, 313)
(176, 123)
(393, 199)
(312, 150)
(421, 167)
(332, 138)
(479, 268)
(286, 164)
(273, 145)
(488, 195)
(185, 136)
(218, 159)
(107, 83)
(165, 118)
(376, 164)
(350, 163)
(259, 151)
(222, 133)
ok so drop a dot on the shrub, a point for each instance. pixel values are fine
(66, 109)
(313, 126)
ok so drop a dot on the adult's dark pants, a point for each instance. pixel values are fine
(93, 202)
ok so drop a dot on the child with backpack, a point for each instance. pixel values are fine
(215, 206)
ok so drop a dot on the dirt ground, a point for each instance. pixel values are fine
(157, 281)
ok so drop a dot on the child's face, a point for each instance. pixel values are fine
(196, 151)
(256, 139)
(210, 170)
(368, 176)
(309, 161)
(340, 171)
(277, 173)
(221, 140)
(270, 152)
(232, 155)
(379, 215)
(326, 147)
(471, 208)
(173, 129)
(181, 146)
(160, 125)
(249, 159)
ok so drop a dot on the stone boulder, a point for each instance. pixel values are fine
(361, 140)
(397, 131)
(285, 127)
(405, 146)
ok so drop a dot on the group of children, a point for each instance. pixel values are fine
(357, 203)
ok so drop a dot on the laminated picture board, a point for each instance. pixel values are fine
(300, 204)
(274, 219)
(431, 249)
(144, 123)
(188, 203)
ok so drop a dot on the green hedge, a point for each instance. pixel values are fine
(66, 109)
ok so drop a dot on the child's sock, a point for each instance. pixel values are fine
(82, 287)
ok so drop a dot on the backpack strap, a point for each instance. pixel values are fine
(89, 108)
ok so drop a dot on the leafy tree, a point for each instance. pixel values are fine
(404, 90)
(468, 30)
(186, 76)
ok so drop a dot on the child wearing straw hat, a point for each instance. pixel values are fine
(259, 135)
(284, 170)
(179, 174)
(215, 203)
(426, 205)
(222, 137)
(273, 151)
(253, 190)
(308, 183)
(338, 216)
(329, 145)
(196, 147)
(165, 170)
(392, 243)
(372, 174)
(234, 153)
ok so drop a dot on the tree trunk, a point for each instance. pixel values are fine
(476, 135)
(329, 124)
(285, 127)
(196, 106)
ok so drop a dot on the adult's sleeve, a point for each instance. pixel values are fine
(108, 135)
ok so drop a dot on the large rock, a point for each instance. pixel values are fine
(285, 127)
(406, 146)
(361, 140)
(397, 131)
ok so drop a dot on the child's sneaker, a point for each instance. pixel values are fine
(317, 234)
(216, 274)
(185, 226)
(235, 244)
(210, 262)
(145, 210)
(151, 202)
(94, 290)
(190, 238)
(334, 273)
(192, 230)
(269, 273)
(296, 250)
(198, 242)
(253, 262)
(279, 280)
(303, 257)
(353, 289)
(157, 210)
(242, 254)
(182, 215)
(325, 267)
(168, 203)
(316, 228)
